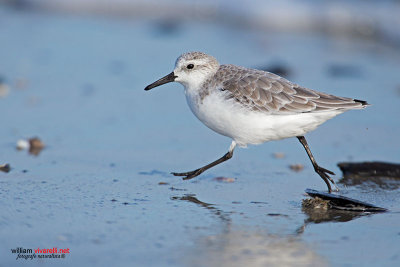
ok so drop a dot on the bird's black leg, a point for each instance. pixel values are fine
(321, 171)
(192, 174)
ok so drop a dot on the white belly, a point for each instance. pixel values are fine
(244, 126)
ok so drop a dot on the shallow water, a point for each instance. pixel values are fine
(77, 83)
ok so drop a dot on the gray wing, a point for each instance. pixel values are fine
(268, 92)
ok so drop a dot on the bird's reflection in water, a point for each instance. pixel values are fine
(244, 246)
(371, 183)
(317, 211)
(224, 216)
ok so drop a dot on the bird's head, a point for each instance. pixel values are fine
(191, 70)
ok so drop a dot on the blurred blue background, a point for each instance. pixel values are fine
(73, 73)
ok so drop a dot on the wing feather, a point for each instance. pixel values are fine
(268, 92)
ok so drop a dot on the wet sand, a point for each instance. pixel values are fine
(101, 185)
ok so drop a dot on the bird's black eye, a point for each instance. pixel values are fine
(190, 66)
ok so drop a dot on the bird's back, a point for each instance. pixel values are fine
(267, 92)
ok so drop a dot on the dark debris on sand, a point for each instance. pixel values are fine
(382, 174)
(36, 146)
(374, 168)
(5, 167)
(338, 202)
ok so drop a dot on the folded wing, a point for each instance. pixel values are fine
(267, 92)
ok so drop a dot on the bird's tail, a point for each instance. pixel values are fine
(364, 104)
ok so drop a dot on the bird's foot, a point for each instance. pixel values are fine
(188, 175)
(324, 175)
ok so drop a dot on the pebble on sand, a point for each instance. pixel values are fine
(22, 144)
(278, 155)
(34, 145)
(5, 167)
(4, 89)
(224, 179)
(296, 167)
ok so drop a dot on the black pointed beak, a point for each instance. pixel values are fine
(167, 79)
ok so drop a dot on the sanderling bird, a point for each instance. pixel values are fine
(252, 106)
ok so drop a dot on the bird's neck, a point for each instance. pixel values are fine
(197, 86)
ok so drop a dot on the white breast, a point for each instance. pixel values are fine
(229, 118)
